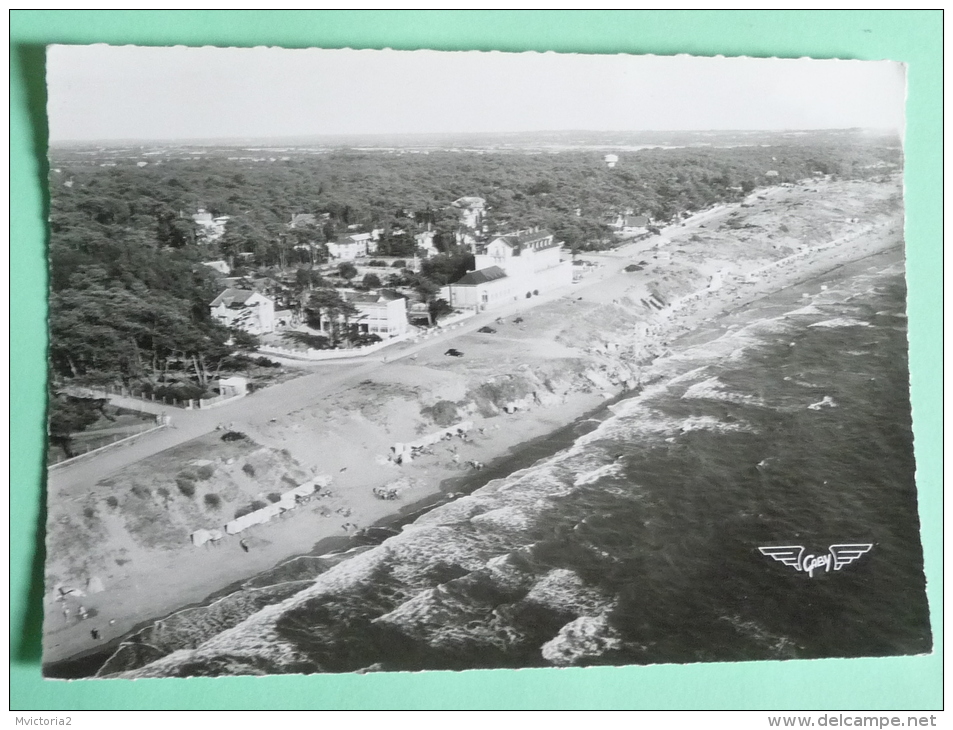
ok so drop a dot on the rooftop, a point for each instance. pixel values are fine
(233, 297)
(469, 201)
(384, 295)
(301, 219)
(481, 276)
(528, 239)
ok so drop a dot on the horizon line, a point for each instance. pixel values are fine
(233, 140)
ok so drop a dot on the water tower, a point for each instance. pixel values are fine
(611, 160)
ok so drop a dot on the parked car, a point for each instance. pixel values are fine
(453, 352)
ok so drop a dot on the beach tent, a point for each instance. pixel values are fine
(200, 537)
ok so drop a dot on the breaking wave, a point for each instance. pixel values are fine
(638, 543)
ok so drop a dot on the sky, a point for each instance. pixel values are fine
(167, 93)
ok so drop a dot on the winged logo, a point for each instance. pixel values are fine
(847, 554)
(837, 556)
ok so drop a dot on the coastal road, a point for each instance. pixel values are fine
(304, 391)
(325, 377)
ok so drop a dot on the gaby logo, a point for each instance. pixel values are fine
(837, 557)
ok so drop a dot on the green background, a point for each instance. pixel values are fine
(910, 683)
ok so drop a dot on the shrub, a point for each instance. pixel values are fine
(529, 294)
(163, 492)
(363, 340)
(315, 342)
(288, 479)
(443, 413)
(89, 513)
(141, 491)
(180, 391)
(213, 501)
(249, 470)
(274, 497)
(236, 362)
(233, 436)
(186, 486)
(264, 362)
(249, 508)
(112, 501)
(399, 264)
(205, 471)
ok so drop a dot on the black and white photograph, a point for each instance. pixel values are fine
(394, 361)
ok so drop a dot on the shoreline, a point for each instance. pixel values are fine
(520, 456)
(549, 429)
(517, 458)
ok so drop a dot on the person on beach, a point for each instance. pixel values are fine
(243, 544)
(95, 634)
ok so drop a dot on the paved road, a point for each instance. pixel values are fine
(325, 377)
(307, 390)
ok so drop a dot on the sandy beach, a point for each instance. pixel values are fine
(128, 559)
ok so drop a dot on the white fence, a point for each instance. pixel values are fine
(131, 399)
(216, 401)
(449, 323)
(312, 354)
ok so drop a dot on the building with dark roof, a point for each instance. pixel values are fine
(516, 265)
(481, 276)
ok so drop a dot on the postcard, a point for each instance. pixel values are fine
(383, 361)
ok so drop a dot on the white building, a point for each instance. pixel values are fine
(634, 225)
(246, 310)
(210, 229)
(221, 267)
(424, 241)
(382, 313)
(471, 210)
(352, 246)
(515, 266)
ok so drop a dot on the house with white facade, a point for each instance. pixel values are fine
(221, 267)
(471, 210)
(244, 309)
(634, 225)
(424, 241)
(352, 246)
(517, 265)
(209, 228)
(382, 312)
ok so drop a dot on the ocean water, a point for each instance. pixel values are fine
(786, 423)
